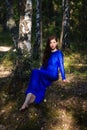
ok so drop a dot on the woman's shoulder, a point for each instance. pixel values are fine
(59, 52)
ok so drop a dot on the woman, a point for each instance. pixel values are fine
(42, 78)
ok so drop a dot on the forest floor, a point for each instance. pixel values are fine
(65, 104)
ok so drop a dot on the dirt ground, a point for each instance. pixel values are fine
(64, 106)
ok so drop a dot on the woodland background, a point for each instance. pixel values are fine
(21, 50)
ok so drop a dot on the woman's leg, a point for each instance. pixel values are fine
(30, 98)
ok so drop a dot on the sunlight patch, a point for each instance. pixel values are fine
(4, 48)
(66, 120)
(5, 73)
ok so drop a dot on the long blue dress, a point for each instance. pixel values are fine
(42, 78)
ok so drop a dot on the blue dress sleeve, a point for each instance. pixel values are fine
(61, 65)
(41, 67)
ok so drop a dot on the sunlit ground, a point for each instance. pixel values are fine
(3, 71)
(4, 48)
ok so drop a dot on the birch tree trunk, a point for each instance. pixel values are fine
(64, 38)
(11, 24)
(38, 41)
(25, 26)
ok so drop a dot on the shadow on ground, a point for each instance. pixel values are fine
(64, 108)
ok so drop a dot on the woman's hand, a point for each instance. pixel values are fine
(66, 81)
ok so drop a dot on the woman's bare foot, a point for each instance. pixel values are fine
(24, 107)
(30, 98)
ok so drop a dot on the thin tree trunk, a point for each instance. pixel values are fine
(38, 41)
(25, 26)
(41, 46)
(61, 35)
(64, 37)
(11, 24)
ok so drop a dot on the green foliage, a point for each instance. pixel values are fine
(16, 11)
(65, 105)
(51, 17)
(23, 66)
(5, 38)
(8, 59)
(51, 24)
(78, 46)
(78, 20)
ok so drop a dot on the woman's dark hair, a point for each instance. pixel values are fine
(47, 50)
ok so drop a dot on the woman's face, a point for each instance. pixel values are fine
(53, 44)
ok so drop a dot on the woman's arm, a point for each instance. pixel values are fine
(61, 66)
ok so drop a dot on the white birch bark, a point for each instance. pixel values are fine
(25, 27)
